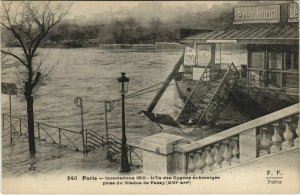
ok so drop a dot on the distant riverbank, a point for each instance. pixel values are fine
(93, 44)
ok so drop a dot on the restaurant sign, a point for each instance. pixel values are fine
(257, 14)
(293, 12)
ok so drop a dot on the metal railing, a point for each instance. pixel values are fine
(208, 94)
(95, 140)
(220, 95)
(92, 140)
(45, 132)
(277, 80)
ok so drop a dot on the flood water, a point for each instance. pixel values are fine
(91, 74)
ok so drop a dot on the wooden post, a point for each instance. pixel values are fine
(82, 126)
(165, 85)
(59, 135)
(20, 123)
(39, 133)
(10, 123)
(2, 122)
(220, 53)
(213, 54)
(130, 157)
(106, 130)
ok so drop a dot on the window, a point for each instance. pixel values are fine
(274, 80)
(291, 61)
(290, 80)
(257, 59)
(275, 67)
(257, 78)
(275, 60)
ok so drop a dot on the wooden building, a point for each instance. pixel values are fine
(268, 78)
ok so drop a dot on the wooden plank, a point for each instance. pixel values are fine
(165, 85)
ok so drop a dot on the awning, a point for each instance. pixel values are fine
(289, 34)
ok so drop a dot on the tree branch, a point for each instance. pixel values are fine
(36, 79)
(15, 56)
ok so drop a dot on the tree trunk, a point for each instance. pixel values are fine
(30, 117)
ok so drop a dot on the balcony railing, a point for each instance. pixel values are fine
(287, 81)
(272, 133)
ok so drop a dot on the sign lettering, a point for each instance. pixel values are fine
(257, 14)
(293, 12)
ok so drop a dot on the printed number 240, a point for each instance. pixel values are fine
(71, 177)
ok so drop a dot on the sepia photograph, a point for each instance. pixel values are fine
(150, 97)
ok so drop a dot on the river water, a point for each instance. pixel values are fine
(91, 74)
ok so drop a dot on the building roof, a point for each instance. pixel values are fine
(288, 34)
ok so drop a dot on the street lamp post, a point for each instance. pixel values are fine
(123, 88)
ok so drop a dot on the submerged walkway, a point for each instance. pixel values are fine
(53, 159)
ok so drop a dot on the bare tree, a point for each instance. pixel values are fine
(29, 23)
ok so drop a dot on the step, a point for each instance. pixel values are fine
(202, 105)
(206, 100)
(209, 95)
(214, 83)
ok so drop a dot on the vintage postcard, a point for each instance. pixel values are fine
(150, 97)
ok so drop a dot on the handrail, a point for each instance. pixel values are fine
(215, 92)
(241, 128)
(70, 141)
(87, 130)
(114, 137)
(188, 99)
(132, 149)
(43, 124)
(48, 134)
(95, 140)
(13, 125)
